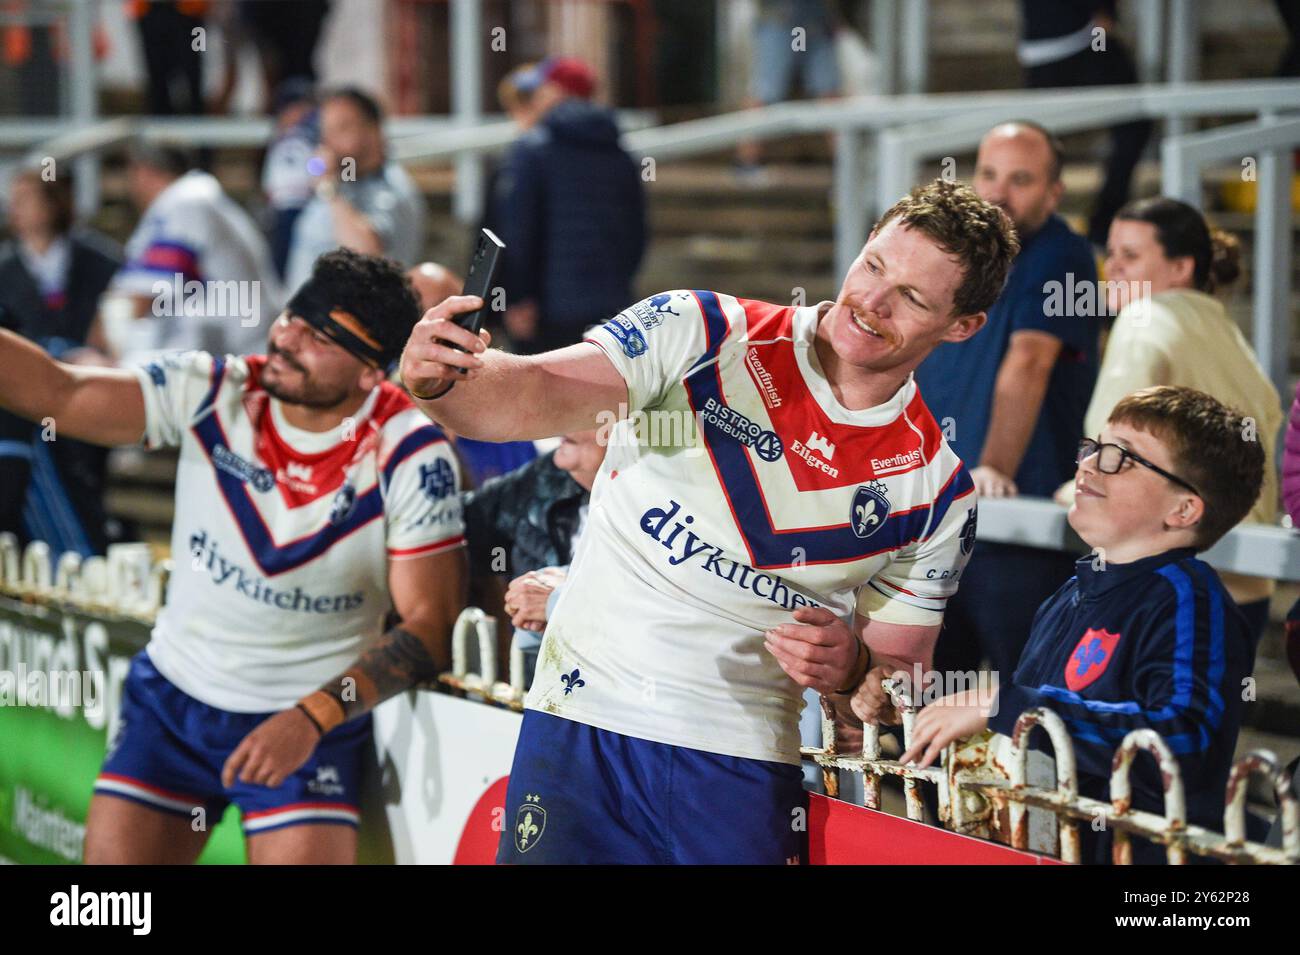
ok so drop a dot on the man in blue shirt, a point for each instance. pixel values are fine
(1011, 400)
(1145, 636)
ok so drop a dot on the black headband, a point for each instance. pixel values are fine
(340, 325)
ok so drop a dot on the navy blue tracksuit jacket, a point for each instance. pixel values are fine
(569, 204)
(1157, 643)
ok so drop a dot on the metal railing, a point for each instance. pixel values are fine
(979, 781)
(980, 777)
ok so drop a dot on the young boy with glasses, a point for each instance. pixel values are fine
(1144, 636)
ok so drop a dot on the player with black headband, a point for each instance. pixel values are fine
(312, 499)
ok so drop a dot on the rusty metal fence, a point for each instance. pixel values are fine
(984, 790)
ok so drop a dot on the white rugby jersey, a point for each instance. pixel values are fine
(749, 492)
(282, 537)
(207, 270)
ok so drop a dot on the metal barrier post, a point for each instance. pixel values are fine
(914, 39)
(1067, 778)
(884, 42)
(850, 198)
(82, 77)
(830, 775)
(1184, 54)
(1234, 811)
(1121, 793)
(1271, 272)
(467, 101)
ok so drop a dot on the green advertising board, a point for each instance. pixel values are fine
(61, 673)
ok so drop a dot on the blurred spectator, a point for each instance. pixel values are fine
(1011, 399)
(519, 105)
(1291, 464)
(287, 181)
(172, 59)
(790, 36)
(286, 33)
(571, 212)
(480, 460)
(1289, 11)
(363, 201)
(198, 273)
(433, 283)
(1172, 332)
(1291, 497)
(51, 277)
(1073, 43)
(528, 520)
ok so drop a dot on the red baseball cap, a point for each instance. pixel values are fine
(567, 72)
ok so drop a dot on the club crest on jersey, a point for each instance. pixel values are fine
(1091, 656)
(344, 503)
(228, 461)
(437, 480)
(631, 338)
(967, 535)
(530, 822)
(870, 509)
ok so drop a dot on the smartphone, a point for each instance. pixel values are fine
(478, 280)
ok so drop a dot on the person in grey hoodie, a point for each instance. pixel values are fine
(570, 208)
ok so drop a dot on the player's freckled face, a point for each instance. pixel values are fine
(896, 302)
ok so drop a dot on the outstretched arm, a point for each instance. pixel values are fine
(101, 405)
(505, 397)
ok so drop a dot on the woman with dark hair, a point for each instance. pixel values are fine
(51, 277)
(1163, 264)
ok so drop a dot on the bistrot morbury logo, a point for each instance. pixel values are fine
(733, 424)
(869, 510)
(247, 472)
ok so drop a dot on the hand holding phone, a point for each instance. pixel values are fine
(478, 281)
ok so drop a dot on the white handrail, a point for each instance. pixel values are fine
(1253, 549)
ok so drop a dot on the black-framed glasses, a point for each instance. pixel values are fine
(1111, 457)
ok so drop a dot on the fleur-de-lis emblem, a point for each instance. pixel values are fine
(527, 829)
(865, 514)
(1087, 656)
(530, 822)
(571, 682)
(870, 509)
